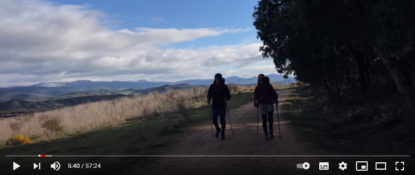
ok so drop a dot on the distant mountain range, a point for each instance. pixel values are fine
(48, 90)
(76, 98)
(143, 84)
(53, 104)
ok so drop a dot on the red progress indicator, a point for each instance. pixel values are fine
(41, 155)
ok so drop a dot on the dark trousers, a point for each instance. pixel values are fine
(268, 119)
(222, 114)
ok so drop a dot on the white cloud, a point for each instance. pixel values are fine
(41, 41)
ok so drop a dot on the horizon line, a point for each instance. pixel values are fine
(132, 81)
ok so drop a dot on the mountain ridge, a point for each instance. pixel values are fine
(148, 84)
(45, 89)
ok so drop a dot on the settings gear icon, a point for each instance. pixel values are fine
(342, 166)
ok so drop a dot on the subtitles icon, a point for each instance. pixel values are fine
(362, 166)
(323, 166)
(380, 166)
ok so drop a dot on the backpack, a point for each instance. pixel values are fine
(266, 81)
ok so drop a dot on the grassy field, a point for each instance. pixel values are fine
(24, 96)
(49, 125)
(21, 111)
(346, 129)
(140, 135)
(98, 92)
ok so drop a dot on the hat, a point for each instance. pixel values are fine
(261, 76)
(218, 76)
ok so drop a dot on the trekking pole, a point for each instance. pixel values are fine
(230, 123)
(211, 119)
(278, 119)
(257, 125)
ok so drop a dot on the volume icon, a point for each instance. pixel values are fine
(56, 166)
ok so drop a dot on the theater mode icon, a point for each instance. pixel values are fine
(380, 166)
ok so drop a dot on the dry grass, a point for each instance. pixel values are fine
(86, 117)
(286, 86)
(98, 115)
(251, 88)
(233, 89)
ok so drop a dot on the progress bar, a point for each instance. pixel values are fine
(203, 156)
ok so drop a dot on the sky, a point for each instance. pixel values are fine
(125, 40)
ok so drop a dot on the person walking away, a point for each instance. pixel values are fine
(218, 94)
(264, 98)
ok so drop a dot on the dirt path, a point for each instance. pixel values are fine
(244, 142)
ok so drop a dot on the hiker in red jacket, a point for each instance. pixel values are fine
(264, 99)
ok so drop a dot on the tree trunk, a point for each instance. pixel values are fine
(361, 67)
(338, 89)
(407, 93)
(333, 87)
(349, 79)
(327, 85)
(368, 74)
(406, 70)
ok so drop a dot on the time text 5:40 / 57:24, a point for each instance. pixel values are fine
(84, 165)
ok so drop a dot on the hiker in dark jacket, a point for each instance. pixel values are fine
(264, 98)
(218, 94)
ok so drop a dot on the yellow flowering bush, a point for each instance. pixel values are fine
(18, 140)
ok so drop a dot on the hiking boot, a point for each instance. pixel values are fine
(222, 135)
(217, 133)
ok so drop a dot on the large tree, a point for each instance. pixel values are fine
(336, 42)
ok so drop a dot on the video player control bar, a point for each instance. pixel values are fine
(246, 156)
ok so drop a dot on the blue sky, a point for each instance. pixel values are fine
(126, 40)
(131, 14)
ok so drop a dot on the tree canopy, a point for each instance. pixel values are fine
(341, 43)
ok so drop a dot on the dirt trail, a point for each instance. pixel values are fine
(244, 142)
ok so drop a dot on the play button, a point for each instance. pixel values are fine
(15, 166)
